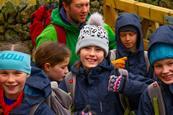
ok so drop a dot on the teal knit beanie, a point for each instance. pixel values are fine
(14, 60)
(159, 52)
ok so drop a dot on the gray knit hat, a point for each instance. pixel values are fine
(93, 34)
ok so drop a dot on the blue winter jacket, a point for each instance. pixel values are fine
(37, 88)
(163, 35)
(92, 89)
(145, 105)
(136, 63)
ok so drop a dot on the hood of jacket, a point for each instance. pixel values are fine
(161, 35)
(37, 86)
(129, 19)
(136, 62)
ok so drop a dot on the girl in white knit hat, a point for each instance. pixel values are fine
(93, 71)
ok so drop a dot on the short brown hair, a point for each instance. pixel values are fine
(67, 1)
(50, 52)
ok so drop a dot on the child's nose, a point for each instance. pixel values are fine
(92, 52)
(11, 78)
(66, 70)
(165, 69)
(127, 37)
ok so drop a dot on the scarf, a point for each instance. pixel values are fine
(8, 108)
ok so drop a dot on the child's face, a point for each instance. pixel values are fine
(163, 69)
(128, 39)
(12, 82)
(57, 72)
(91, 56)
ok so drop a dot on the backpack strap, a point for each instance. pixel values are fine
(126, 105)
(70, 81)
(61, 35)
(112, 54)
(146, 60)
(123, 99)
(155, 94)
(35, 107)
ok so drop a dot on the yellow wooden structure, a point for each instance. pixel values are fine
(152, 16)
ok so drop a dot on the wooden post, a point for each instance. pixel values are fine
(109, 13)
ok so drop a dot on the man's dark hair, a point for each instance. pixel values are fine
(67, 1)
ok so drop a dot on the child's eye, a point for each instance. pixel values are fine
(3, 73)
(98, 49)
(63, 67)
(18, 73)
(157, 66)
(170, 63)
(122, 34)
(87, 48)
(132, 33)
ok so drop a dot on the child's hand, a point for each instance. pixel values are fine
(114, 83)
(119, 63)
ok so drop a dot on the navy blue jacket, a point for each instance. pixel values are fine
(92, 89)
(145, 105)
(136, 63)
(37, 88)
(162, 35)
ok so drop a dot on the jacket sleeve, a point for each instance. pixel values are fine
(48, 34)
(111, 36)
(133, 87)
(146, 80)
(145, 105)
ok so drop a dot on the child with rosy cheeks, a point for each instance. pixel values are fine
(15, 68)
(93, 72)
(160, 55)
(53, 59)
(15, 71)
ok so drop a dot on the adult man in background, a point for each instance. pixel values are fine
(72, 16)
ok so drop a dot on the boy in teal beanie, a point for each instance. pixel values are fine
(160, 55)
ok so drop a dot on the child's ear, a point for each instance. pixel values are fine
(46, 66)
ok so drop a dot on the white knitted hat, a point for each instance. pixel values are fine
(93, 34)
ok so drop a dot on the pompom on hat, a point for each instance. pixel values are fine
(93, 34)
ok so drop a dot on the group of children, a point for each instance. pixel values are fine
(98, 82)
